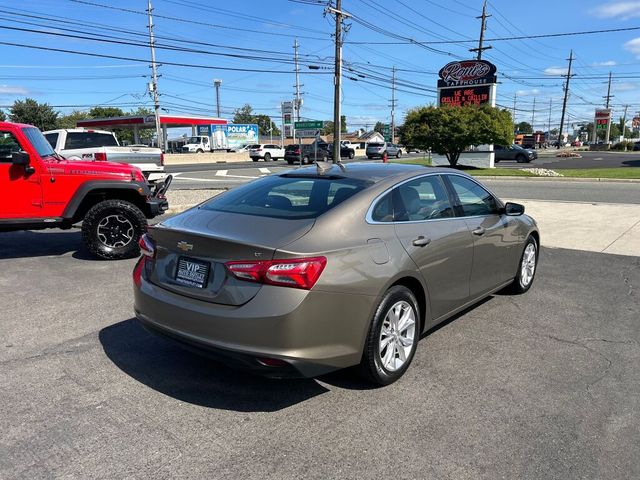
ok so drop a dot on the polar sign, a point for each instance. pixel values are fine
(239, 134)
(467, 72)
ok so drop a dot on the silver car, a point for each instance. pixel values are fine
(322, 268)
(378, 149)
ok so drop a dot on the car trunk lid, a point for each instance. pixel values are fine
(202, 241)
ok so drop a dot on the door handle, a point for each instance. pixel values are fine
(421, 241)
(479, 231)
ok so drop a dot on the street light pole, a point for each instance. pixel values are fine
(217, 84)
(337, 79)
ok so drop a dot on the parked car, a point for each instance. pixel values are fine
(39, 189)
(266, 152)
(347, 143)
(96, 145)
(377, 150)
(345, 151)
(305, 154)
(514, 152)
(305, 272)
(636, 146)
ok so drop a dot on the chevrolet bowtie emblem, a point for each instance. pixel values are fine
(184, 246)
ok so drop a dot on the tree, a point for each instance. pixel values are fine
(524, 127)
(379, 127)
(246, 115)
(106, 112)
(69, 120)
(450, 130)
(328, 126)
(30, 111)
(3, 117)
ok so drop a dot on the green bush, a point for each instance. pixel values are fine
(620, 146)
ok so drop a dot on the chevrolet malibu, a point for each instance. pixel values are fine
(323, 268)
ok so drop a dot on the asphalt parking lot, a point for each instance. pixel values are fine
(544, 385)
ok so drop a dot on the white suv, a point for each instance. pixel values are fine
(266, 152)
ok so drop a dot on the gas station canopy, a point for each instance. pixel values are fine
(136, 123)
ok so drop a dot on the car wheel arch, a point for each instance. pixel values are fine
(421, 293)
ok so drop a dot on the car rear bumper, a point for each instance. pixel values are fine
(313, 332)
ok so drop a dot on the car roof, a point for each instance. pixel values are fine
(374, 172)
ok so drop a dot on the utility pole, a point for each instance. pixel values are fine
(483, 26)
(337, 78)
(566, 97)
(154, 78)
(533, 115)
(393, 105)
(608, 98)
(217, 84)
(549, 128)
(515, 95)
(624, 124)
(298, 100)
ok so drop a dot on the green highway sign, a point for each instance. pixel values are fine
(308, 125)
(386, 132)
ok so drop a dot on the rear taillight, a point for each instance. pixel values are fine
(162, 159)
(147, 246)
(296, 273)
(100, 156)
(137, 272)
(297, 152)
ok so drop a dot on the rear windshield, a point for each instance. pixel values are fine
(254, 146)
(287, 197)
(89, 140)
(292, 148)
(376, 144)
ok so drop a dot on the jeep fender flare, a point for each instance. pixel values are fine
(94, 185)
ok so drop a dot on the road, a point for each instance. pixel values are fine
(225, 176)
(544, 385)
(547, 159)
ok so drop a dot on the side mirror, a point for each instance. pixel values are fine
(513, 209)
(20, 158)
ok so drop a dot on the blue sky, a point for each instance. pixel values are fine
(265, 30)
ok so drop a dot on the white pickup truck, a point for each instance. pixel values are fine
(97, 145)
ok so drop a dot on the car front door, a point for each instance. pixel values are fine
(494, 234)
(20, 188)
(439, 243)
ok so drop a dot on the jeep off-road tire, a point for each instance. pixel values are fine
(111, 229)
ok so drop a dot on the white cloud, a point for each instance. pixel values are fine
(528, 93)
(633, 46)
(8, 90)
(625, 87)
(608, 63)
(623, 10)
(555, 71)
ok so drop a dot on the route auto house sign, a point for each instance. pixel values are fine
(467, 73)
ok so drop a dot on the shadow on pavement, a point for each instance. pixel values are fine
(25, 244)
(631, 163)
(167, 368)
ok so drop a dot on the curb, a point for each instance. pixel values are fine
(560, 179)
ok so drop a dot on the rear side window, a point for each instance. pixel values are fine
(287, 197)
(52, 138)
(383, 211)
(89, 140)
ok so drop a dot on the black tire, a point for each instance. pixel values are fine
(399, 154)
(521, 159)
(371, 366)
(305, 160)
(255, 159)
(351, 155)
(369, 157)
(267, 157)
(290, 162)
(199, 150)
(126, 220)
(518, 287)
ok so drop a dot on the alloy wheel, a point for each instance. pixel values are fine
(115, 231)
(528, 266)
(397, 336)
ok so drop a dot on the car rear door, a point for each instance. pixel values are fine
(439, 243)
(494, 234)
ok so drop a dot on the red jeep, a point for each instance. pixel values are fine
(40, 189)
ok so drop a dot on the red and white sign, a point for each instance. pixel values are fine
(467, 73)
